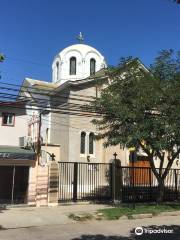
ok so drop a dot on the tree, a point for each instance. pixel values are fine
(140, 108)
(2, 58)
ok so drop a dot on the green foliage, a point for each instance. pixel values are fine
(2, 57)
(141, 105)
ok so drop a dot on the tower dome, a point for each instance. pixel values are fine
(76, 62)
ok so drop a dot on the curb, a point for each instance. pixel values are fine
(99, 216)
(150, 215)
(173, 213)
(141, 216)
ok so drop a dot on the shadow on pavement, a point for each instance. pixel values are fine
(2, 209)
(152, 232)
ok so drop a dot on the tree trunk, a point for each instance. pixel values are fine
(160, 193)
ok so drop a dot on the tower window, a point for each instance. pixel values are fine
(83, 142)
(72, 66)
(92, 66)
(57, 71)
(91, 143)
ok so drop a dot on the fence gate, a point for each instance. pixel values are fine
(85, 181)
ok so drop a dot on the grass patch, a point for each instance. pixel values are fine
(117, 212)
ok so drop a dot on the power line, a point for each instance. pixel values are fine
(43, 90)
(54, 123)
(43, 104)
(56, 96)
(57, 111)
(25, 98)
(46, 101)
(27, 61)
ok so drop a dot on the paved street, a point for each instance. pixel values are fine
(66, 229)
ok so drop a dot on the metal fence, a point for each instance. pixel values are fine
(84, 181)
(95, 181)
(141, 185)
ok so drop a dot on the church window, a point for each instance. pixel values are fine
(83, 142)
(72, 66)
(91, 143)
(92, 66)
(57, 71)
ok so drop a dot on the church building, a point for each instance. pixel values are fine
(78, 75)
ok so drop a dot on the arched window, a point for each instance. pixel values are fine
(91, 143)
(83, 142)
(72, 66)
(57, 71)
(92, 66)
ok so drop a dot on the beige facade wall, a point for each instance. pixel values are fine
(31, 199)
(67, 128)
(122, 154)
(38, 185)
(59, 134)
(42, 186)
(53, 149)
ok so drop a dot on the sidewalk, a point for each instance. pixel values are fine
(24, 217)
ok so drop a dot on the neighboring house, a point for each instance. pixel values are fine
(16, 161)
(13, 123)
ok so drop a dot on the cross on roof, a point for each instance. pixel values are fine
(80, 38)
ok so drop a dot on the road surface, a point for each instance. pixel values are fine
(155, 228)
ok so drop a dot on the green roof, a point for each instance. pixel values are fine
(12, 152)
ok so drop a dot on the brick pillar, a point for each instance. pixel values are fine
(116, 181)
(53, 184)
(42, 186)
(31, 197)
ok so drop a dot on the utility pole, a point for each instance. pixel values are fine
(39, 136)
(39, 132)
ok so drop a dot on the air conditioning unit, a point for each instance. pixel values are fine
(25, 141)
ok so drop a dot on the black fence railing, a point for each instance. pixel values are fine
(141, 185)
(84, 181)
(99, 181)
